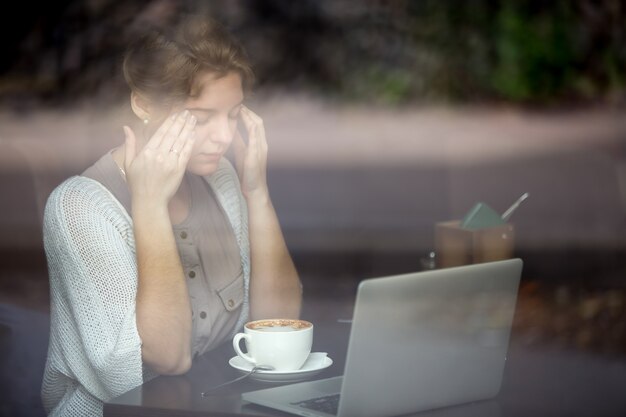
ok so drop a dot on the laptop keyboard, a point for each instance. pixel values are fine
(328, 404)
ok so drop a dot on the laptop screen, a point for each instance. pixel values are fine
(419, 341)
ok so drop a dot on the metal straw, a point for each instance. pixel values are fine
(507, 214)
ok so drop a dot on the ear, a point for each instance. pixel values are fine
(140, 105)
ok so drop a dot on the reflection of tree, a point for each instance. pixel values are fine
(78, 50)
(443, 49)
(566, 49)
(394, 51)
(605, 23)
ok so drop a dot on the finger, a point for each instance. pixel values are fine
(130, 147)
(255, 117)
(174, 131)
(262, 142)
(256, 130)
(187, 132)
(252, 154)
(239, 147)
(263, 151)
(248, 121)
(157, 137)
(251, 119)
(238, 144)
(185, 152)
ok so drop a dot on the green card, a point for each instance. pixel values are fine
(481, 216)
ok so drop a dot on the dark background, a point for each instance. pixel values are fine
(531, 52)
(482, 64)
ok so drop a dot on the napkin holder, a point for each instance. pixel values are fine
(482, 236)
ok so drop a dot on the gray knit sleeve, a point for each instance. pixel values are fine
(95, 348)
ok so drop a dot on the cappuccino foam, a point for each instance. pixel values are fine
(279, 325)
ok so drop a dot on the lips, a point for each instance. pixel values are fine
(210, 157)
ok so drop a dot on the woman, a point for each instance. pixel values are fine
(160, 251)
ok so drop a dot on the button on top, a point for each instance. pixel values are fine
(183, 234)
(192, 274)
(202, 315)
(231, 303)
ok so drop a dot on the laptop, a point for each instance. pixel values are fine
(418, 341)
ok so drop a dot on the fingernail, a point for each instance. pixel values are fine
(185, 113)
(193, 120)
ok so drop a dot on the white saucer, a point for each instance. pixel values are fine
(315, 363)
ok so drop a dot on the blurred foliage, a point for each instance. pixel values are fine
(519, 51)
(548, 54)
(385, 51)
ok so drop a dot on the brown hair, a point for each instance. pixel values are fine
(162, 65)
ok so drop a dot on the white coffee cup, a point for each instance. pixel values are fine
(284, 344)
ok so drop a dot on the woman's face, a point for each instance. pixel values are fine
(217, 110)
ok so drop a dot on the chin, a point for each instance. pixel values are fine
(203, 170)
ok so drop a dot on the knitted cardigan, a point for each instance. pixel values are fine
(94, 353)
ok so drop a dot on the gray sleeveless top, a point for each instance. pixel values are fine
(208, 251)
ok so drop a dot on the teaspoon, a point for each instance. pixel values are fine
(253, 370)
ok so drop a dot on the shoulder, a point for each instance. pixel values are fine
(78, 189)
(81, 197)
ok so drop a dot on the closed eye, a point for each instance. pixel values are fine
(202, 116)
(202, 120)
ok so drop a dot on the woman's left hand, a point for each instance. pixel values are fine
(251, 159)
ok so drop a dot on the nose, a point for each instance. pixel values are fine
(222, 131)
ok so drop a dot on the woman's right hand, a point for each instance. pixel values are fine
(155, 172)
